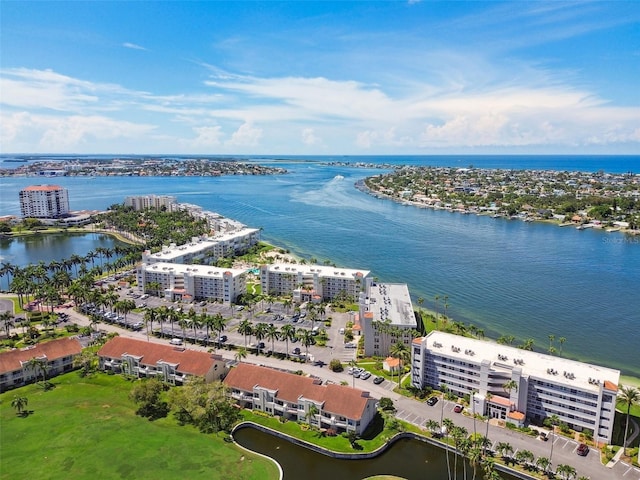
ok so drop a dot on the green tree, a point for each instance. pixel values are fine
(287, 333)
(246, 329)
(147, 394)
(628, 396)
(20, 404)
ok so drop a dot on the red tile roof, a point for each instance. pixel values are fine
(516, 415)
(42, 188)
(53, 350)
(341, 400)
(610, 386)
(500, 401)
(190, 362)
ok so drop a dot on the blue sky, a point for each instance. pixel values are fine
(412, 77)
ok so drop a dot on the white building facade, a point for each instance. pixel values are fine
(581, 395)
(386, 317)
(207, 249)
(192, 282)
(145, 202)
(44, 201)
(311, 282)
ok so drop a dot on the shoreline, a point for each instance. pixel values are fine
(363, 187)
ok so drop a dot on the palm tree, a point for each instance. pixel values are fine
(402, 353)
(629, 396)
(19, 403)
(307, 339)
(39, 364)
(444, 389)
(566, 471)
(459, 434)
(260, 331)
(218, 324)
(448, 425)
(543, 464)
(287, 332)
(433, 426)
(505, 449)
(150, 316)
(272, 333)
(509, 386)
(245, 328)
(241, 354)
(7, 319)
(553, 420)
(488, 398)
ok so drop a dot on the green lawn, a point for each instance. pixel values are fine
(87, 428)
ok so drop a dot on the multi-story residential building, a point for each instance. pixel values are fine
(295, 397)
(145, 202)
(21, 366)
(311, 282)
(386, 317)
(44, 201)
(154, 360)
(208, 249)
(514, 384)
(178, 281)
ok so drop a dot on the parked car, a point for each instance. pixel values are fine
(222, 338)
(458, 408)
(365, 375)
(296, 350)
(432, 401)
(582, 449)
(378, 380)
(543, 436)
(175, 341)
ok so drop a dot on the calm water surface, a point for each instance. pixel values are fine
(508, 277)
(409, 459)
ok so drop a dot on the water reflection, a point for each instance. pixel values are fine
(410, 459)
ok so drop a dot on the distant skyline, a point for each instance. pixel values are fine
(320, 78)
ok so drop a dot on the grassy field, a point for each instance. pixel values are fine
(87, 428)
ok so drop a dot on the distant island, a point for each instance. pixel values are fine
(581, 199)
(141, 167)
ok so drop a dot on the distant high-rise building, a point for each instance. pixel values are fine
(145, 202)
(44, 201)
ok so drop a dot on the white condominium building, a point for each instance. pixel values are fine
(515, 384)
(145, 202)
(386, 317)
(44, 201)
(206, 250)
(192, 282)
(311, 282)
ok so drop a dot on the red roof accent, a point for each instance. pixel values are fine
(516, 415)
(190, 362)
(417, 341)
(42, 188)
(392, 362)
(342, 400)
(53, 350)
(610, 386)
(505, 402)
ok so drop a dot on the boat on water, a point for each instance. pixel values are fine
(613, 229)
(584, 226)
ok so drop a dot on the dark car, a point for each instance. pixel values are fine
(543, 436)
(378, 380)
(222, 339)
(296, 351)
(432, 401)
(583, 449)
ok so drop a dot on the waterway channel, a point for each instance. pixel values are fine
(407, 458)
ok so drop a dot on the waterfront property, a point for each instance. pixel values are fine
(173, 365)
(206, 250)
(514, 384)
(179, 281)
(144, 202)
(44, 201)
(313, 283)
(386, 316)
(299, 398)
(48, 359)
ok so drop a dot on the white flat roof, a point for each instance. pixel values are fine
(193, 247)
(391, 301)
(199, 270)
(535, 364)
(321, 270)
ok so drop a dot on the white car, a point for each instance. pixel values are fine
(175, 341)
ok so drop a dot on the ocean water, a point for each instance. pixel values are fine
(510, 278)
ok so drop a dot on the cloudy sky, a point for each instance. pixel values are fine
(396, 77)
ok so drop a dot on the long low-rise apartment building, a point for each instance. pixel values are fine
(515, 385)
(299, 398)
(173, 365)
(44, 360)
(311, 282)
(177, 281)
(207, 249)
(386, 317)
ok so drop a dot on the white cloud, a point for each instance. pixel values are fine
(133, 46)
(207, 137)
(246, 136)
(309, 137)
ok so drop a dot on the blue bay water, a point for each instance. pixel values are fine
(508, 277)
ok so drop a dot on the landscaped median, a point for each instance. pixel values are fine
(88, 428)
